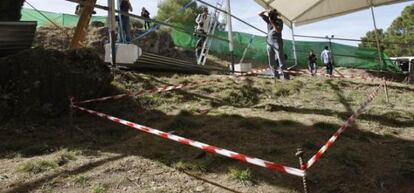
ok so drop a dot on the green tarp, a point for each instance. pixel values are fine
(345, 56)
(61, 19)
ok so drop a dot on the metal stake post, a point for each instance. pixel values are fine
(71, 115)
(299, 154)
(377, 36)
(386, 90)
(294, 44)
(112, 27)
(230, 27)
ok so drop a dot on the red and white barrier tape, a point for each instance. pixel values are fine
(348, 123)
(165, 88)
(212, 149)
(253, 72)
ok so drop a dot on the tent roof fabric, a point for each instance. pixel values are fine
(302, 12)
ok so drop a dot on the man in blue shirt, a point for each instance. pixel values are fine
(125, 21)
(275, 42)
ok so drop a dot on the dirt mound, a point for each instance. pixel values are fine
(39, 81)
(159, 42)
(53, 37)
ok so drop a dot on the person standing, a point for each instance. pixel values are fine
(125, 21)
(313, 68)
(326, 58)
(146, 14)
(202, 21)
(275, 42)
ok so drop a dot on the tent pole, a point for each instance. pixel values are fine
(112, 28)
(377, 36)
(230, 27)
(294, 44)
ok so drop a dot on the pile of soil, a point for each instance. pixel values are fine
(40, 81)
(159, 42)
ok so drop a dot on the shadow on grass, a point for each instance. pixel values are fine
(355, 157)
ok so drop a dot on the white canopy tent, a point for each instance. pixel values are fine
(302, 12)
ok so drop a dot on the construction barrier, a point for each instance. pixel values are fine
(344, 126)
(212, 149)
(339, 75)
(164, 88)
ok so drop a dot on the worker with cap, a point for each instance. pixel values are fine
(275, 42)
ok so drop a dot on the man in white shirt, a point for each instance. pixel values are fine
(326, 58)
(202, 21)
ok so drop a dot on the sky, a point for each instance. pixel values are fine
(352, 26)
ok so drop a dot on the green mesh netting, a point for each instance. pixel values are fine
(61, 19)
(345, 56)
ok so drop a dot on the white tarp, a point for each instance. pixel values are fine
(301, 12)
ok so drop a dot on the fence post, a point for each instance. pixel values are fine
(71, 115)
(386, 90)
(299, 154)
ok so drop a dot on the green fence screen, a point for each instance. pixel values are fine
(344, 55)
(61, 19)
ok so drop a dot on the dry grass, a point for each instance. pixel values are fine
(256, 116)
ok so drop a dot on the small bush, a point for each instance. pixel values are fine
(66, 155)
(37, 166)
(287, 88)
(82, 180)
(240, 175)
(99, 188)
(243, 96)
(190, 166)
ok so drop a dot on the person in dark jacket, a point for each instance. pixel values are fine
(313, 68)
(146, 14)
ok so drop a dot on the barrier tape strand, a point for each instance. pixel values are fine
(212, 149)
(344, 126)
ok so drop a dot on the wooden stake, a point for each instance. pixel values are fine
(386, 90)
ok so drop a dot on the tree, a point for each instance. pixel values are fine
(370, 41)
(168, 8)
(401, 31)
(399, 38)
(10, 10)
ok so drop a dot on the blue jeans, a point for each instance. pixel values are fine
(126, 27)
(276, 56)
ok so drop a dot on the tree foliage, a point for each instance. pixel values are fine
(398, 40)
(402, 30)
(168, 8)
(370, 41)
(10, 10)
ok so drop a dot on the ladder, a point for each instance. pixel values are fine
(211, 30)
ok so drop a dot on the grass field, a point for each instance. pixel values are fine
(256, 116)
